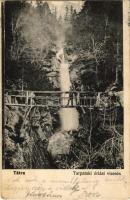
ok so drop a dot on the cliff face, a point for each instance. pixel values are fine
(33, 137)
(26, 135)
(33, 140)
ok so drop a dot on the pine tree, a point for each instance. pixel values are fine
(104, 48)
(60, 19)
(71, 10)
(71, 13)
(66, 13)
(55, 12)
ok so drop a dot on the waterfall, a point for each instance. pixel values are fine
(69, 116)
(60, 142)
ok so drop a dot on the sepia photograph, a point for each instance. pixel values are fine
(62, 85)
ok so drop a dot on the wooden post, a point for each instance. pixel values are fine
(90, 103)
(117, 67)
(27, 97)
(46, 99)
(11, 99)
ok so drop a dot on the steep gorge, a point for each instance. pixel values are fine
(36, 138)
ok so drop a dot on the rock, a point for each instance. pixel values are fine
(60, 143)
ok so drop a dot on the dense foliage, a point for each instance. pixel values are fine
(96, 38)
(92, 41)
(30, 43)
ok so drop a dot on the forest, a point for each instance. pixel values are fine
(92, 39)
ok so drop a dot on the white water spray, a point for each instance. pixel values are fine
(69, 116)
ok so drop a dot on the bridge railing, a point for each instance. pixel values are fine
(55, 98)
(38, 93)
(50, 98)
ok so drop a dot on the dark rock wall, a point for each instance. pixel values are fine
(26, 136)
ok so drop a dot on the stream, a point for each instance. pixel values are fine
(69, 116)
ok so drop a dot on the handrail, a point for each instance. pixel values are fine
(50, 92)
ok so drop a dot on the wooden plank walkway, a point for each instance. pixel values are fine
(52, 99)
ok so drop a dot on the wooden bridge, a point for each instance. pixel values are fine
(51, 99)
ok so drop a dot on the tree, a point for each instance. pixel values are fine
(71, 10)
(94, 32)
(66, 13)
(55, 13)
(33, 36)
(60, 19)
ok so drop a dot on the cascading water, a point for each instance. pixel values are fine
(69, 116)
(61, 141)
